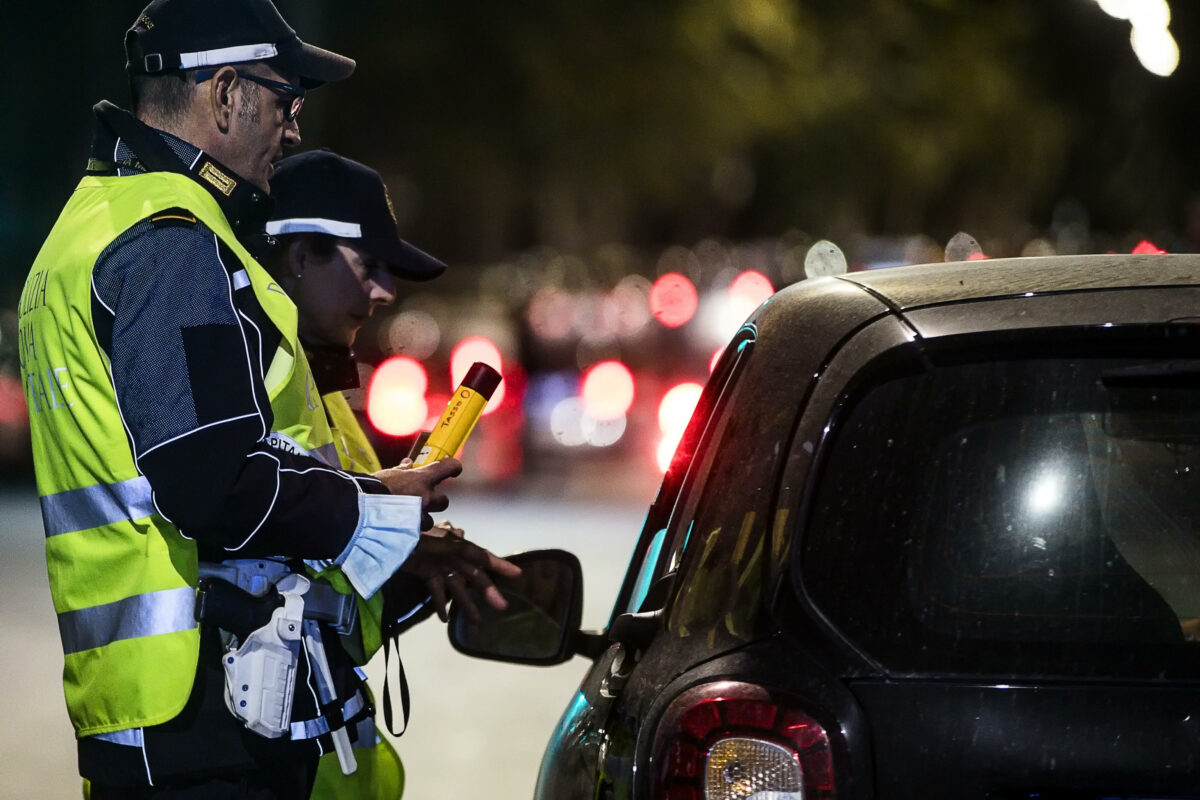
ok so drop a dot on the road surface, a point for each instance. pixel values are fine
(477, 728)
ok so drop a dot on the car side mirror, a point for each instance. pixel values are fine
(540, 625)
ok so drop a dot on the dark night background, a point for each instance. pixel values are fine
(507, 125)
(534, 145)
(570, 153)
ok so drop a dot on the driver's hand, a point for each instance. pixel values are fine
(450, 566)
(445, 528)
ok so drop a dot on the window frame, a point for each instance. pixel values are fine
(683, 485)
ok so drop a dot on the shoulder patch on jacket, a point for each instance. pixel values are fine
(173, 218)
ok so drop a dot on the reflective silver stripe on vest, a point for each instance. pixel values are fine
(167, 611)
(93, 506)
(130, 737)
(326, 453)
(240, 280)
(312, 728)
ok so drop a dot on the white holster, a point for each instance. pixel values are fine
(260, 676)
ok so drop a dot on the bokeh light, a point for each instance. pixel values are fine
(629, 303)
(572, 426)
(603, 433)
(12, 401)
(716, 356)
(1147, 247)
(674, 411)
(751, 288)
(435, 406)
(592, 319)
(723, 312)
(1119, 9)
(1155, 48)
(396, 397)
(607, 391)
(665, 452)
(413, 333)
(566, 422)
(676, 407)
(673, 299)
(1149, 34)
(466, 353)
(550, 313)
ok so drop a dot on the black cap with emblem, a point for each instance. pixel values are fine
(321, 192)
(171, 35)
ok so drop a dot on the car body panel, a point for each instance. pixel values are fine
(1103, 307)
(969, 740)
(733, 604)
(934, 284)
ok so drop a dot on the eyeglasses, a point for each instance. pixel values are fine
(284, 90)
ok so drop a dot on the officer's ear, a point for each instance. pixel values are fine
(298, 255)
(222, 88)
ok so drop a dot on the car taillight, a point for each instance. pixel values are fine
(729, 741)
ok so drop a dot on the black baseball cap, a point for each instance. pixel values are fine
(172, 35)
(319, 191)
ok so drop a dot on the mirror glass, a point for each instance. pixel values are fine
(538, 619)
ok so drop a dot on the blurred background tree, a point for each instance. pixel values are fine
(542, 148)
(505, 125)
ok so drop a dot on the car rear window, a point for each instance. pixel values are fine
(1025, 515)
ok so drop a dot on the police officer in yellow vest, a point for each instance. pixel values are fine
(184, 460)
(336, 252)
(337, 255)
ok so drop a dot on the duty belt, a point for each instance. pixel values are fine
(274, 611)
(238, 596)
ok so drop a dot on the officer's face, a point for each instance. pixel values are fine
(260, 127)
(336, 294)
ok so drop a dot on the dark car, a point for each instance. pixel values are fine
(933, 532)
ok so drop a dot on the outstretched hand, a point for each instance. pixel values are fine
(422, 482)
(450, 566)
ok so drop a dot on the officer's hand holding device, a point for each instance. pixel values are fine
(442, 558)
(422, 482)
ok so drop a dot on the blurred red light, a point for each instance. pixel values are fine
(674, 411)
(716, 356)
(12, 401)
(751, 288)
(607, 391)
(673, 300)
(977, 257)
(466, 353)
(666, 451)
(396, 397)
(1146, 247)
(435, 404)
(676, 407)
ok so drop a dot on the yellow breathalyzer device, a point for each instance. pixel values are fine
(461, 414)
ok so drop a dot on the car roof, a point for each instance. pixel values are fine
(934, 284)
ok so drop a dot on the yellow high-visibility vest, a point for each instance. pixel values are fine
(122, 578)
(380, 774)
